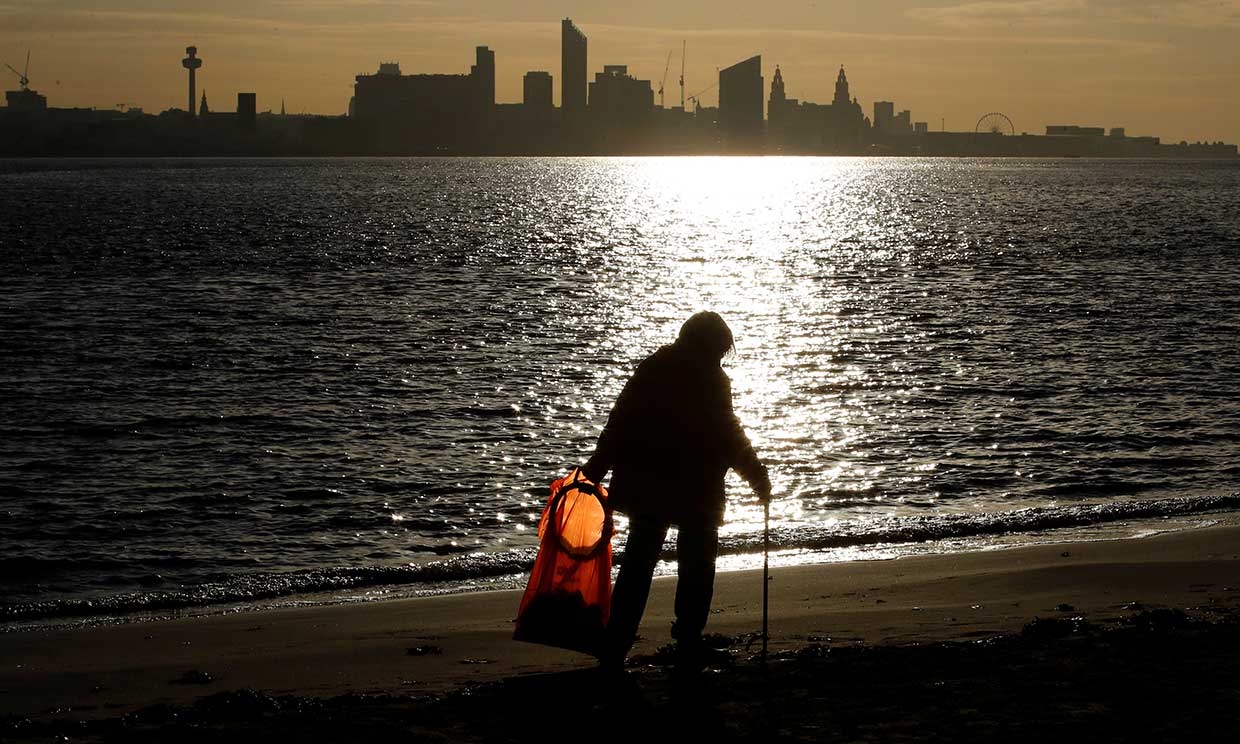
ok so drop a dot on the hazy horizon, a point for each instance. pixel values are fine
(1156, 68)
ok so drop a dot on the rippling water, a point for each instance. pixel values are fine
(230, 379)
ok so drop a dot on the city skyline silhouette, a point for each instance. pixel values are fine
(1152, 70)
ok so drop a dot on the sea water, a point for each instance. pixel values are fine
(235, 380)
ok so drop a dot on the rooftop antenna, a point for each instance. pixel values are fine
(682, 74)
(664, 80)
(24, 77)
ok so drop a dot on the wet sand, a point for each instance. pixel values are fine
(869, 633)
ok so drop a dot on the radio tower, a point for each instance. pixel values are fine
(191, 63)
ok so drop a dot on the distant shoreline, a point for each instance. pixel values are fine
(114, 158)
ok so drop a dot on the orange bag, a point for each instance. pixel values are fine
(568, 599)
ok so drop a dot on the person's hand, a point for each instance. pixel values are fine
(592, 472)
(763, 489)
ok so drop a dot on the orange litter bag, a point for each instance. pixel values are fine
(568, 599)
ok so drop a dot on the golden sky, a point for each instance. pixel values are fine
(1162, 67)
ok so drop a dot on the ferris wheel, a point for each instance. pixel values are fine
(995, 123)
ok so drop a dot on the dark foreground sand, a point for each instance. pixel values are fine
(1135, 640)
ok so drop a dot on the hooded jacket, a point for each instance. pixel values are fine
(671, 438)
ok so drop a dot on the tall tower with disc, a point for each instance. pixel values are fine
(191, 63)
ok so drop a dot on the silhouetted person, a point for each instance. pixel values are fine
(671, 438)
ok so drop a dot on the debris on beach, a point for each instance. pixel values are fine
(424, 650)
(1160, 620)
(1055, 627)
(193, 677)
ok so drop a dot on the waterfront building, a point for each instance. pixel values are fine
(1063, 130)
(740, 104)
(616, 96)
(779, 107)
(903, 123)
(25, 100)
(804, 127)
(572, 68)
(434, 113)
(418, 99)
(884, 115)
(536, 88)
(483, 75)
(247, 109)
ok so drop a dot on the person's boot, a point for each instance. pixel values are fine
(692, 656)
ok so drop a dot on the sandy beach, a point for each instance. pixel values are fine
(422, 652)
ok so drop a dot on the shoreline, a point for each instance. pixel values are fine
(1139, 529)
(1128, 528)
(435, 645)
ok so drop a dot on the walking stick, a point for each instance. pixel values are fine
(766, 569)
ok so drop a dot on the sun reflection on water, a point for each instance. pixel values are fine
(730, 235)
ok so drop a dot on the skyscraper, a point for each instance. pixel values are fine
(884, 115)
(572, 67)
(483, 74)
(740, 103)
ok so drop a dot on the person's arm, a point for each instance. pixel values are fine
(740, 452)
(604, 457)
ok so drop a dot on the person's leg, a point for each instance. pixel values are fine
(628, 600)
(696, 547)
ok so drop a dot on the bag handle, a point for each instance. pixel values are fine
(578, 481)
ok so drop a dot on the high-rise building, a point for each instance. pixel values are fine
(618, 96)
(884, 115)
(903, 123)
(537, 87)
(247, 109)
(483, 74)
(572, 67)
(740, 102)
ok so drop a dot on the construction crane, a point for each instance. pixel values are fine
(664, 80)
(24, 77)
(682, 74)
(696, 97)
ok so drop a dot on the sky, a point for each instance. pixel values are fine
(1167, 68)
